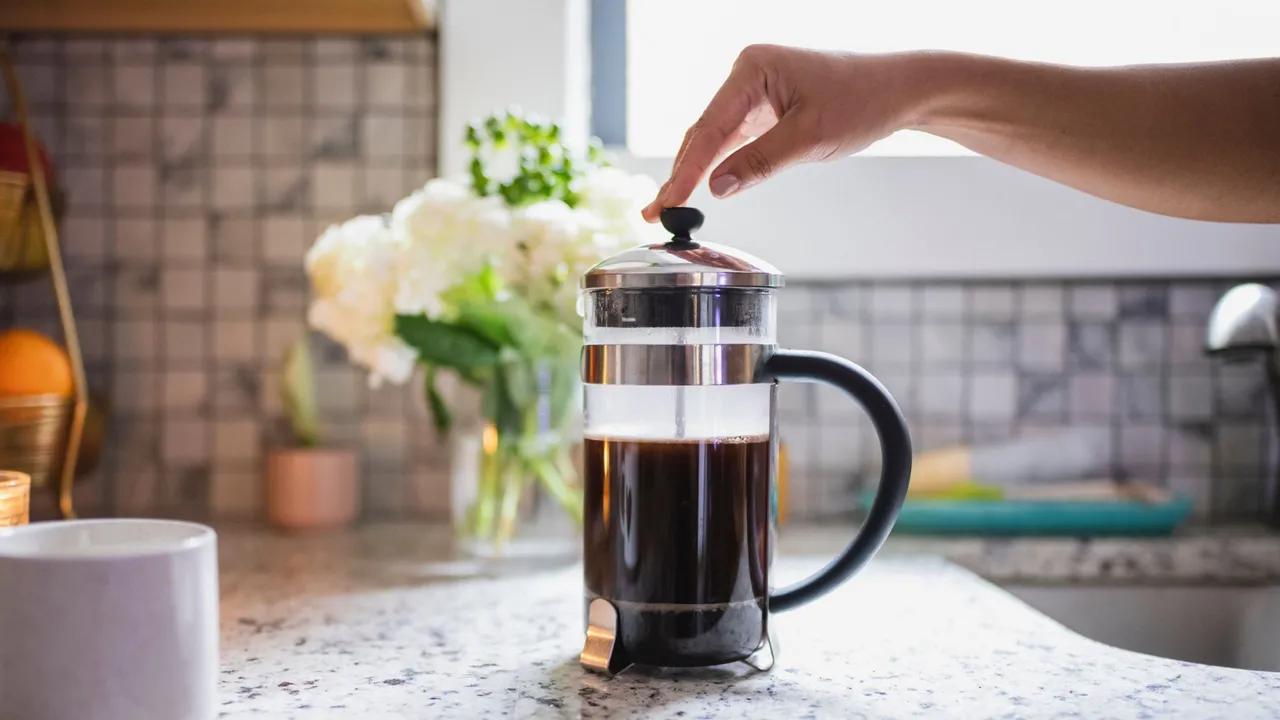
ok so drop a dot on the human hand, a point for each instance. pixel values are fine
(1191, 140)
(799, 106)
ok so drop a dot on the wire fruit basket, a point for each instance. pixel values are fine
(39, 434)
(24, 250)
(33, 432)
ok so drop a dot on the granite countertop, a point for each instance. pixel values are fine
(383, 622)
(1237, 555)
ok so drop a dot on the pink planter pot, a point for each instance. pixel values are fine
(312, 488)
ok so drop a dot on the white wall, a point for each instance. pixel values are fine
(964, 217)
(495, 54)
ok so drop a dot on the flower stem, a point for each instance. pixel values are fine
(512, 478)
(554, 480)
(487, 495)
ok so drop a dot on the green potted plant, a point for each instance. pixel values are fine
(308, 485)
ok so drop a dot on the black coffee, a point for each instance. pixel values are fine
(676, 536)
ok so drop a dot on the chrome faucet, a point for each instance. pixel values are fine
(1243, 325)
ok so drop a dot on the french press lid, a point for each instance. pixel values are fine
(682, 262)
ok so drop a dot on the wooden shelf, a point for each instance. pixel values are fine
(229, 16)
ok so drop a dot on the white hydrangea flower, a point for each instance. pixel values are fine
(445, 232)
(367, 270)
(616, 197)
(501, 164)
(553, 244)
(543, 260)
(352, 268)
(545, 234)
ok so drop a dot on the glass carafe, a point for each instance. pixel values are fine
(680, 366)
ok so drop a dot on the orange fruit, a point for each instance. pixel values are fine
(32, 364)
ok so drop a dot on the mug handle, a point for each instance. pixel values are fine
(895, 472)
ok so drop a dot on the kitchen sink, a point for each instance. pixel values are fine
(1232, 626)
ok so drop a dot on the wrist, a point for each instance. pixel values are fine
(940, 89)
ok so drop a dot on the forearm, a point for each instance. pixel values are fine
(1197, 141)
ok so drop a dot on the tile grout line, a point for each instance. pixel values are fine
(168, 475)
(207, 273)
(262, 113)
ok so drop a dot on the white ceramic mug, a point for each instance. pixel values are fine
(108, 619)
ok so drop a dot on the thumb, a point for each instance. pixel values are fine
(782, 146)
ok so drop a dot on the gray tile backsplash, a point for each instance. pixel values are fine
(979, 362)
(199, 170)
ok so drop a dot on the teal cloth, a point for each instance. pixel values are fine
(1039, 517)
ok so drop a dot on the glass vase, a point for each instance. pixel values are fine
(515, 496)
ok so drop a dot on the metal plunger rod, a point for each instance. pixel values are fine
(59, 277)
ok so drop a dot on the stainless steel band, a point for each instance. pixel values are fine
(666, 278)
(734, 364)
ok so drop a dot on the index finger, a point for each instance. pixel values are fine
(715, 132)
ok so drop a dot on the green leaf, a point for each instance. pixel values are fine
(499, 409)
(488, 321)
(546, 169)
(493, 124)
(441, 416)
(563, 392)
(490, 400)
(595, 152)
(482, 286)
(524, 327)
(558, 486)
(479, 180)
(475, 376)
(511, 321)
(544, 336)
(446, 344)
(298, 389)
(518, 382)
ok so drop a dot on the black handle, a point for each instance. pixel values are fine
(895, 472)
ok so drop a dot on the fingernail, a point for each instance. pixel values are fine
(724, 185)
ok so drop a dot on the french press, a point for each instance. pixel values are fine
(680, 365)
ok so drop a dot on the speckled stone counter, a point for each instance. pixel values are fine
(1239, 555)
(382, 623)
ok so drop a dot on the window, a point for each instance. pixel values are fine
(657, 62)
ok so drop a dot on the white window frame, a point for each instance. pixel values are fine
(920, 217)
